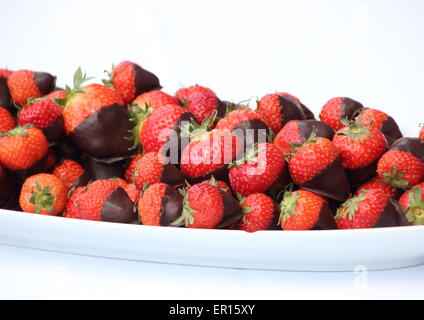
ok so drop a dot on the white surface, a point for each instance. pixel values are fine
(370, 50)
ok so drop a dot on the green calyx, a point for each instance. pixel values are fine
(212, 182)
(109, 81)
(294, 147)
(350, 207)
(415, 211)
(246, 210)
(355, 129)
(17, 131)
(250, 156)
(42, 198)
(187, 214)
(79, 79)
(137, 116)
(395, 178)
(288, 205)
(196, 131)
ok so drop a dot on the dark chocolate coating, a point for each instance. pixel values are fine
(39, 167)
(104, 134)
(45, 82)
(102, 171)
(275, 191)
(350, 108)
(392, 216)
(322, 129)
(232, 211)
(5, 99)
(145, 80)
(220, 174)
(361, 175)
(83, 180)
(9, 190)
(172, 176)
(290, 109)
(171, 207)
(326, 219)
(118, 208)
(259, 129)
(391, 130)
(55, 132)
(332, 182)
(414, 146)
(308, 113)
(66, 150)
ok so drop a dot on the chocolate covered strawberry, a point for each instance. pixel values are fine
(369, 209)
(340, 108)
(204, 105)
(25, 84)
(361, 147)
(378, 183)
(131, 80)
(382, 121)
(43, 194)
(5, 99)
(71, 173)
(276, 110)
(412, 203)
(154, 99)
(317, 166)
(296, 132)
(96, 120)
(262, 170)
(7, 121)
(403, 165)
(223, 186)
(308, 113)
(305, 210)
(260, 212)
(46, 115)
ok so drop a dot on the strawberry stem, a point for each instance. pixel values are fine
(42, 198)
(187, 214)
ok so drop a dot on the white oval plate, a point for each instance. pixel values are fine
(335, 250)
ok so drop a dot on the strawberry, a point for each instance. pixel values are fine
(46, 115)
(131, 80)
(308, 113)
(71, 173)
(7, 121)
(25, 84)
(184, 93)
(150, 169)
(43, 194)
(96, 120)
(296, 132)
(23, 148)
(382, 121)
(421, 135)
(155, 99)
(403, 165)
(369, 209)
(204, 105)
(258, 170)
(340, 108)
(219, 184)
(361, 147)
(305, 210)
(412, 203)
(259, 213)
(5, 99)
(276, 110)
(57, 94)
(377, 183)
(72, 209)
(317, 166)
(5, 73)
(103, 200)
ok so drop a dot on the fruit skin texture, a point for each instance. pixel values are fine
(219, 184)
(69, 171)
(44, 194)
(22, 86)
(300, 210)
(421, 135)
(7, 121)
(403, 168)
(234, 118)
(362, 149)
(40, 113)
(331, 113)
(202, 105)
(311, 159)
(72, 208)
(155, 99)
(184, 93)
(130, 170)
(259, 172)
(148, 170)
(363, 210)
(412, 203)
(377, 183)
(22, 147)
(150, 204)
(259, 213)
(287, 135)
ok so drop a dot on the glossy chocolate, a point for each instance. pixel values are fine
(39, 167)
(103, 171)
(290, 109)
(172, 176)
(145, 80)
(220, 174)
(232, 211)
(171, 207)
(308, 113)
(391, 130)
(45, 82)
(251, 132)
(104, 135)
(275, 191)
(414, 146)
(55, 131)
(392, 216)
(118, 208)
(83, 180)
(350, 108)
(5, 99)
(306, 127)
(9, 190)
(66, 150)
(332, 182)
(363, 174)
(326, 219)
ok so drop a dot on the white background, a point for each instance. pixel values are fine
(371, 51)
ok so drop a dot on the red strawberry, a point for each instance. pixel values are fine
(72, 208)
(5, 73)
(259, 213)
(412, 203)
(23, 148)
(71, 173)
(43, 194)
(277, 110)
(382, 121)
(96, 120)
(317, 166)
(377, 183)
(25, 84)
(403, 165)
(104, 200)
(421, 135)
(369, 209)
(57, 94)
(7, 121)
(340, 108)
(155, 99)
(131, 80)
(305, 210)
(204, 105)
(219, 184)
(184, 93)
(45, 115)
(5, 99)
(296, 132)
(258, 170)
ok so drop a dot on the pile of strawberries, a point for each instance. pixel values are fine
(125, 151)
